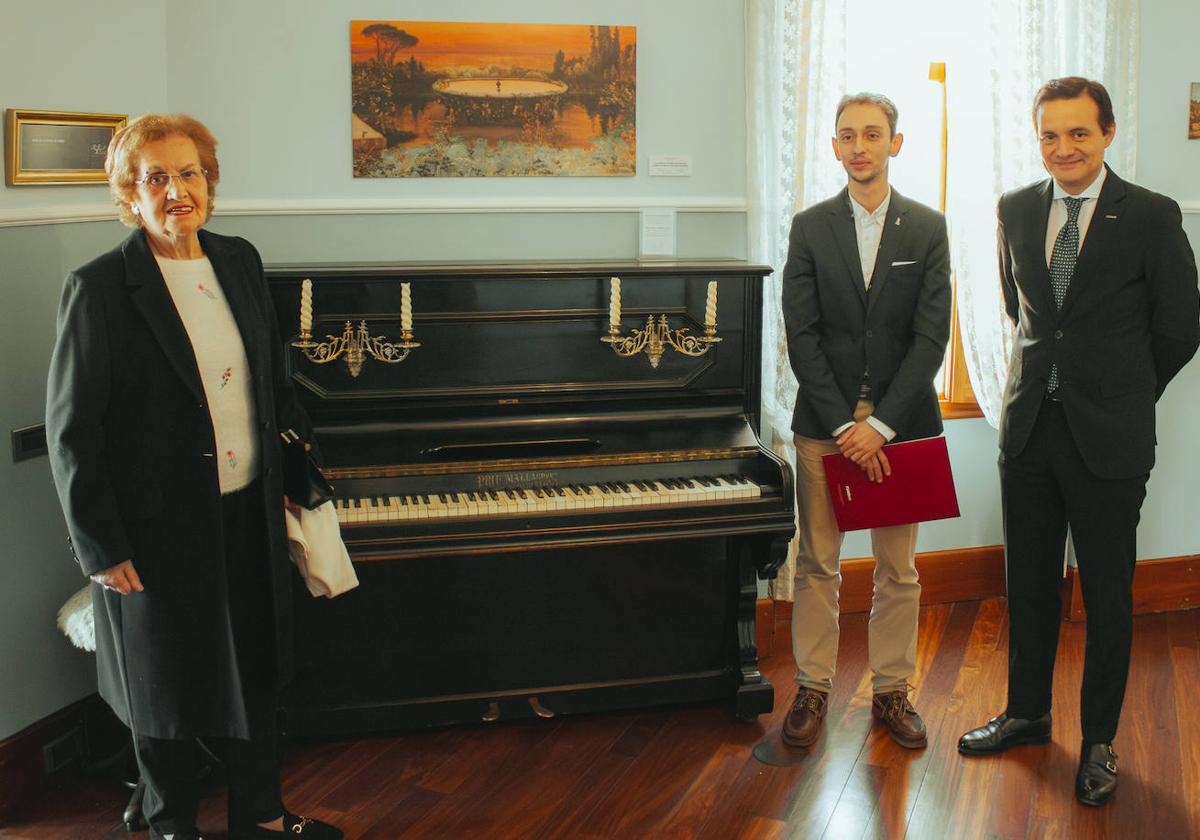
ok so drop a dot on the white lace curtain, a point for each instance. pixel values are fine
(801, 57)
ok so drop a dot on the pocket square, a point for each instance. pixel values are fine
(903, 262)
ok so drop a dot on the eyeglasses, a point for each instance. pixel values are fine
(158, 181)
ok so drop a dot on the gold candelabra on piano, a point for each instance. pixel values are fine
(355, 344)
(657, 335)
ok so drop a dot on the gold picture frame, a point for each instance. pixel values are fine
(57, 147)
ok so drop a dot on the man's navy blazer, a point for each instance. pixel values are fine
(1129, 322)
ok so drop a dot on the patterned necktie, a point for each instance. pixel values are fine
(1062, 265)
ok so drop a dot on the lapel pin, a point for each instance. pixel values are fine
(897, 221)
(1109, 216)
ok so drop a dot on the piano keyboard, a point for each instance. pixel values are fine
(518, 501)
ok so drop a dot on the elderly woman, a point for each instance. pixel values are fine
(166, 394)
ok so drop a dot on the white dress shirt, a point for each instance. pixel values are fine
(868, 230)
(1058, 211)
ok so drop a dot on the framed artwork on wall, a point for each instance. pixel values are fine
(1194, 113)
(57, 147)
(434, 99)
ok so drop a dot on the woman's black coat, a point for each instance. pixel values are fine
(134, 460)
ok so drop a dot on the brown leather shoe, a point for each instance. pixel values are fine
(903, 723)
(807, 716)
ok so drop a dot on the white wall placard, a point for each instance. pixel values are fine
(670, 166)
(657, 231)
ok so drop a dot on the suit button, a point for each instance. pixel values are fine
(870, 334)
(1058, 334)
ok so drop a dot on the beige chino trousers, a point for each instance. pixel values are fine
(895, 602)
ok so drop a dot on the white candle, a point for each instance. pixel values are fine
(405, 308)
(306, 306)
(710, 307)
(614, 303)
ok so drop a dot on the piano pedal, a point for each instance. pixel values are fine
(538, 709)
(493, 713)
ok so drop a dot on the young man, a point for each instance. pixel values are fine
(1100, 281)
(866, 303)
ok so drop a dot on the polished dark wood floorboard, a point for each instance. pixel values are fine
(689, 772)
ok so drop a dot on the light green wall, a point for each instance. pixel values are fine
(71, 56)
(476, 236)
(1170, 163)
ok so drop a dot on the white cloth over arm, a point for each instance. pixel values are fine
(315, 544)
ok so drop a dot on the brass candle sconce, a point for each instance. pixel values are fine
(355, 344)
(657, 335)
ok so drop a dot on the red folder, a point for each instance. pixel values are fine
(920, 488)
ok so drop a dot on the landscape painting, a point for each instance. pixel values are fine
(1194, 113)
(488, 99)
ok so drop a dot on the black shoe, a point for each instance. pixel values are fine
(293, 826)
(1003, 732)
(1096, 781)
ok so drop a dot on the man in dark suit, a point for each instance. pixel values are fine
(1100, 281)
(866, 303)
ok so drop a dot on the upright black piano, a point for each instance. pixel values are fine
(540, 525)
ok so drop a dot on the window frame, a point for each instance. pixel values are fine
(956, 397)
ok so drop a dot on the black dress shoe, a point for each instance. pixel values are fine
(1096, 781)
(305, 828)
(1002, 732)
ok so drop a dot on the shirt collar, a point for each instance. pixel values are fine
(1092, 191)
(879, 215)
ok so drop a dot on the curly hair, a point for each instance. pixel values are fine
(121, 163)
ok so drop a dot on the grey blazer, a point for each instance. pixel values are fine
(837, 328)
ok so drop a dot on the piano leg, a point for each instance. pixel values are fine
(755, 695)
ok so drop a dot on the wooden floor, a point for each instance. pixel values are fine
(689, 772)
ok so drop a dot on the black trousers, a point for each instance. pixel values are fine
(170, 768)
(1044, 489)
